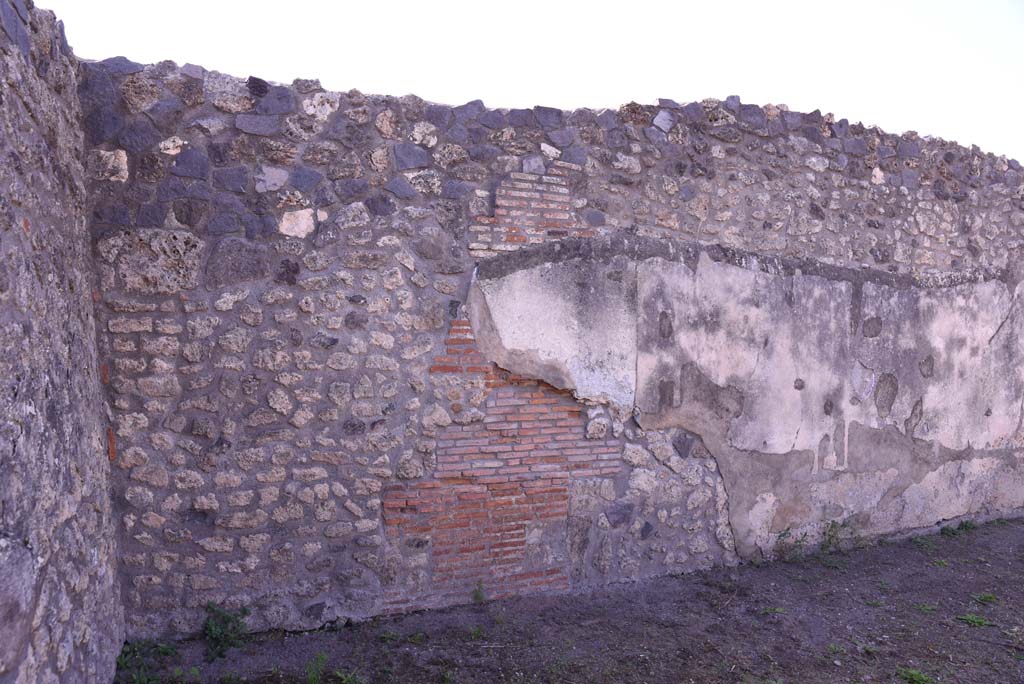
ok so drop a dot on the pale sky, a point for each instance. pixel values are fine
(953, 69)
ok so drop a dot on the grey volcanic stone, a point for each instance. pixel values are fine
(278, 100)
(235, 260)
(235, 178)
(191, 162)
(305, 179)
(139, 135)
(401, 188)
(258, 124)
(410, 156)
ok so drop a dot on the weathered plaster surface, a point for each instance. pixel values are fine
(825, 395)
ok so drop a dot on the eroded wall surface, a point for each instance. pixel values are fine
(60, 608)
(830, 398)
(317, 414)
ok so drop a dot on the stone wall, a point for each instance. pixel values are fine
(368, 354)
(60, 606)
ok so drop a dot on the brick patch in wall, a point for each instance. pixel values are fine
(529, 209)
(499, 483)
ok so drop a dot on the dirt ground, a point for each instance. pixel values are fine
(940, 608)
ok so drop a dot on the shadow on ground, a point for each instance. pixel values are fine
(940, 608)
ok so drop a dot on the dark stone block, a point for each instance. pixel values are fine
(655, 135)
(287, 272)
(223, 223)
(139, 136)
(305, 179)
(693, 112)
(235, 178)
(908, 148)
(380, 205)
(492, 119)
(608, 120)
(841, 128)
(235, 260)
(349, 190)
(575, 155)
(278, 100)
(96, 87)
(353, 427)
(684, 442)
(356, 320)
(324, 341)
(753, 117)
(400, 188)
(258, 124)
(121, 66)
(619, 514)
(522, 118)
(349, 134)
(453, 189)
(477, 134)
(175, 187)
(856, 146)
(191, 162)
(458, 134)
(548, 117)
(483, 153)
(593, 217)
(410, 156)
(102, 124)
(468, 111)
(616, 139)
(150, 215)
(439, 115)
(562, 137)
(259, 227)
(112, 215)
(189, 212)
(813, 133)
(257, 86)
(167, 113)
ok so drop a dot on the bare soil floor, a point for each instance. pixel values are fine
(940, 608)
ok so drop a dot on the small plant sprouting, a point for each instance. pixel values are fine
(984, 598)
(222, 630)
(417, 638)
(913, 676)
(478, 593)
(139, 659)
(925, 607)
(964, 527)
(476, 633)
(389, 637)
(923, 543)
(346, 677)
(975, 620)
(315, 669)
(772, 611)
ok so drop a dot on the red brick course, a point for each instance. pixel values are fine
(499, 480)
